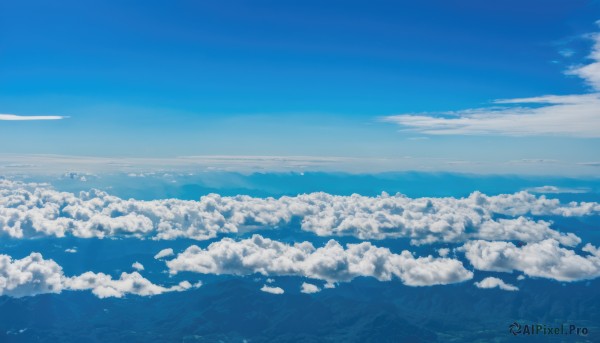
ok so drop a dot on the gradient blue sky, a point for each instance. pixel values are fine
(310, 78)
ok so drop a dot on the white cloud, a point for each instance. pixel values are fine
(590, 72)
(331, 263)
(556, 190)
(71, 250)
(164, 253)
(533, 161)
(34, 275)
(103, 286)
(309, 288)
(523, 203)
(492, 282)
(44, 165)
(30, 275)
(554, 115)
(13, 117)
(571, 115)
(31, 210)
(443, 252)
(137, 266)
(272, 290)
(546, 259)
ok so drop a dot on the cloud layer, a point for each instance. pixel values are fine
(331, 263)
(33, 210)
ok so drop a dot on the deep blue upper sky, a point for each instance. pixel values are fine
(275, 77)
(265, 56)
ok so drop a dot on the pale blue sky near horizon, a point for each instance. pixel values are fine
(310, 78)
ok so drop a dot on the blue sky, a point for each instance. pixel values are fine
(288, 170)
(295, 78)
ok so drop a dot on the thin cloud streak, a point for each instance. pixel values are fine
(14, 117)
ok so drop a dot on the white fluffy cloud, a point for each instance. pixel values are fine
(331, 263)
(137, 266)
(493, 282)
(164, 253)
(272, 290)
(309, 288)
(30, 210)
(546, 259)
(103, 286)
(30, 275)
(34, 275)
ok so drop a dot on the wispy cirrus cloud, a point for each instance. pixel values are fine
(14, 117)
(590, 164)
(549, 115)
(590, 72)
(569, 115)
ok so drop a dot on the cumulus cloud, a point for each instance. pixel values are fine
(31, 210)
(545, 259)
(30, 275)
(331, 263)
(103, 285)
(71, 250)
(309, 288)
(137, 266)
(14, 117)
(34, 275)
(493, 282)
(164, 253)
(272, 290)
